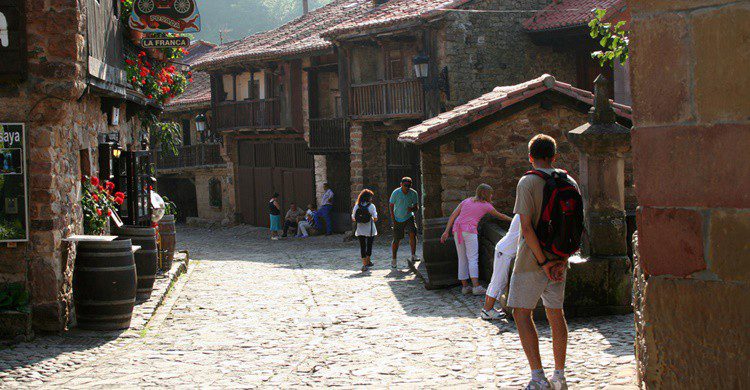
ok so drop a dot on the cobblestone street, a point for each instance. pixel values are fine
(257, 313)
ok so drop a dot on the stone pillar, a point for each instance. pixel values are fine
(357, 166)
(602, 145)
(691, 90)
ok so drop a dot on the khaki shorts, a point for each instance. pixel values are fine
(401, 228)
(527, 287)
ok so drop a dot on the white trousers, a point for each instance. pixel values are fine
(303, 226)
(500, 275)
(468, 256)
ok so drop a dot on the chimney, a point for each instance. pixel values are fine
(305, 7)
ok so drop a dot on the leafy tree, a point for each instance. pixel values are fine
(613, 39)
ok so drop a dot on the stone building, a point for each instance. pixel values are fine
(197, 179)
(68, 97)
(691, 136)
(467, 52)
(485, 141)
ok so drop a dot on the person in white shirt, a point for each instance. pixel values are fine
(505, 251)
(365, 215)
(306, 223)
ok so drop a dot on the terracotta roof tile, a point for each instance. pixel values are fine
(569, 13)
(490, 103)
(196, 95)
(309, 33)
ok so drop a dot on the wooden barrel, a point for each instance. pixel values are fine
(441, 260)
(146, 259)
(168, 241)
(104, 285)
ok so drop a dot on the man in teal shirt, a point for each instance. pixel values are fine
(404, 202)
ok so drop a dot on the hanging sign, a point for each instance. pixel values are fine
(12, 41)
(161, 43)
(165, 16)
(14, 214)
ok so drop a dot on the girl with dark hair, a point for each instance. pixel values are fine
(274, 211)
(365, 215)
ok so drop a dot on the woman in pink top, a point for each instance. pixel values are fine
(464, 221)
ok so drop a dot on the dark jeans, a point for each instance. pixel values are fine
(289, 224)
(365, 246)
(325, 213)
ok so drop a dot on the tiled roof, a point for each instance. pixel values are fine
(570, 13)
(490, 103)
(393, 12)
(309, 33)
(196, 95)
(301, 35)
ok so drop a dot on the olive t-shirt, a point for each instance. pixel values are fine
(529, 197)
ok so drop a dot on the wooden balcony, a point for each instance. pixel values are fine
(192, 156)
(263, 113)
(329, 135)
(387, 99)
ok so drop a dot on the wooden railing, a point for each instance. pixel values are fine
(192, 156)
(390, 98)
(329, 135)
(262, 113)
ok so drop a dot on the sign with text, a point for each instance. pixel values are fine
(165, 16)
(14, 216)
(161, 43)
(12, 41)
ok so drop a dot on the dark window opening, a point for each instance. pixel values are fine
(462, 145)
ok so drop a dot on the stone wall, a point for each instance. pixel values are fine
(483, 50)
(692, 127)
(499, 155)
(62, 122)
(207, 211)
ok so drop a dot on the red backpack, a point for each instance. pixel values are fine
(560, 225)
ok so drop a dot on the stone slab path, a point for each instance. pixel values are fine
(294, 313)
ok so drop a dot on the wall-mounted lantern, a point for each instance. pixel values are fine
(200, 123)
(421, 65)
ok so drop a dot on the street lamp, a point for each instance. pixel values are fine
(421, 65)
(200, 123)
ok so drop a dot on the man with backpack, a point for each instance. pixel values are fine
(551, 209)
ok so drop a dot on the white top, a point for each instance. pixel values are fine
(366, 229)
(327, 198)
(508, 245)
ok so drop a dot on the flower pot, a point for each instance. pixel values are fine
(167, 232)
(156, 54)
(104, 284)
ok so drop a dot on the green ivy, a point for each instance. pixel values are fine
(612, 38)
(167, 134)
(14, 296)
(171, 207)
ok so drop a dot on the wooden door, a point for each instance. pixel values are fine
(266, 167)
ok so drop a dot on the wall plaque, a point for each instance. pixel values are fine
(160, 43)
(12, 41)
(168, 16)
(14, 215)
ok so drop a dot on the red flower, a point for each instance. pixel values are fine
(119, 195)
(109, 213)
(190, 74)
(119, 201)
(99, 212)
(109, 185)
(95, 181)
(191, 80)
(95, 197)
(130, 62)
(150, 96)
(142, 54)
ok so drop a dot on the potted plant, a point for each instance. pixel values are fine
(167, 231)
(104, 276)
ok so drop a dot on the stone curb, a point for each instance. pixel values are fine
(162, 286)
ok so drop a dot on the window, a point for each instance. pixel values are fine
(462, 145)
(395, 64)
(214, 193)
